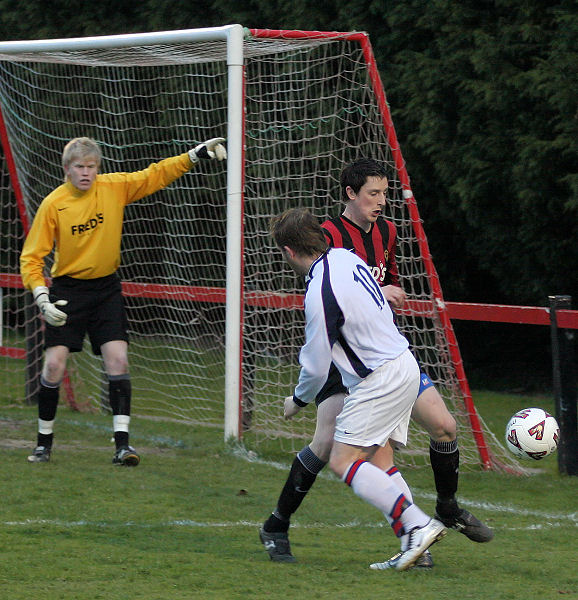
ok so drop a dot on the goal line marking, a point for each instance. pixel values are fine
(251, 456)
(544, 519)
(551, 523)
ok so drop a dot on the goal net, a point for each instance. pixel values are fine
(311, 102)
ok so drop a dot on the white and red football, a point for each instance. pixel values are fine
(532, 433)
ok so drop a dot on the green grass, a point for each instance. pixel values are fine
(184, 523)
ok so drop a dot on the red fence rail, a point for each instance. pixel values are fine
(465, 311)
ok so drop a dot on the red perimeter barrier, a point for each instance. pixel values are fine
(533, 315)
(465, 311)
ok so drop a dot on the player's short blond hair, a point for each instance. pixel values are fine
(81, 148)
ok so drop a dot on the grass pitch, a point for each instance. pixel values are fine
(184, 523)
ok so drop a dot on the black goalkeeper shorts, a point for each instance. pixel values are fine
(95, 306)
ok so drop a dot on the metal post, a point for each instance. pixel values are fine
(564, 379)
(234, 303)
(34, 341)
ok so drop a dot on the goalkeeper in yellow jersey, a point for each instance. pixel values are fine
(82, 221)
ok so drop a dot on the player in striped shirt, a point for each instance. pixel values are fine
(349, 323)
(82, 220)
(362, 229)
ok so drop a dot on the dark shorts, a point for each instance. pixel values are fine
(95, 306)
(424, 383)
(334, 385)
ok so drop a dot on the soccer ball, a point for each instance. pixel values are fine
(532, 433)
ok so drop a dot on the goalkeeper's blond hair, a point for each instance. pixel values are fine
(81, 148)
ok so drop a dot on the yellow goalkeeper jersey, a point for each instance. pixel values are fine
(85, 228)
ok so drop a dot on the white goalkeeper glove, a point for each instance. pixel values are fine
(212, 148)
(55, 317)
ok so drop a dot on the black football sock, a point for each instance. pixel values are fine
(47, 405)
(119, 393)
(304, 470)
(445, 462)
(120, 439)
(45, 439)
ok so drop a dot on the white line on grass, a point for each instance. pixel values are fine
(250, 456)
(187, 523)
(546, 519)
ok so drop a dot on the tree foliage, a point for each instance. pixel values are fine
(484, 96)
(485, 93)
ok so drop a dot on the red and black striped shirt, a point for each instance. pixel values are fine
(376, 247)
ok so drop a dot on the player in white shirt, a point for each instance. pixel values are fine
(362, 229)
(349, 322)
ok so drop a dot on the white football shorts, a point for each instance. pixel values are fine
(379, 407)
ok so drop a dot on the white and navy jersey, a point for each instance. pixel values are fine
(348, 321)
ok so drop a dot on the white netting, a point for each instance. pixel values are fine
(310, 108)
